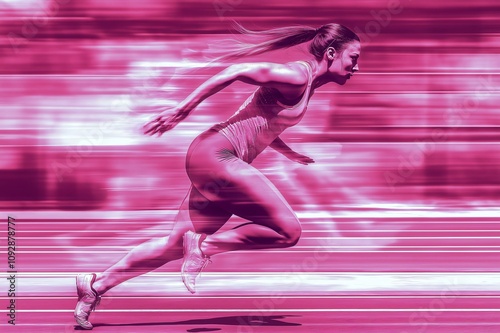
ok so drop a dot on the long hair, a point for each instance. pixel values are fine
(258, 42)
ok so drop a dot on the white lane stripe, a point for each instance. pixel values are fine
(382, 211)
(351, 219)
(312, 237)
(58, 231)
(272, 311)
(291, 297)
(291, 249)
(330, 250)
(452, 72)
(343, 273)
(406, 224)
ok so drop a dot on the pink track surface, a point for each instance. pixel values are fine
(400, 212)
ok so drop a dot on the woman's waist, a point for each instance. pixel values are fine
(211, 139)
(246, 144)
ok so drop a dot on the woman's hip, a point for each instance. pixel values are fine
(209, 153)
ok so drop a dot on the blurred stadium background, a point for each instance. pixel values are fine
(402, 200)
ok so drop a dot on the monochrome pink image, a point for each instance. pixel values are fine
(239, 166)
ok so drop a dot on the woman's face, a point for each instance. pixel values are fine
(345, 62)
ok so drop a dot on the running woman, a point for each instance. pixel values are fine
(218, 163)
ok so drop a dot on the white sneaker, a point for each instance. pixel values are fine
(88, 299)
(194, 260)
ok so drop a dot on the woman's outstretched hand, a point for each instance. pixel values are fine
(299, 158)
(164, 122)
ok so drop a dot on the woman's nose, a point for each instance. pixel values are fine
(355, 68)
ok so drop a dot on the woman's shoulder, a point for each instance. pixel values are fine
(300, 72)
(299, 79)
(294, 73)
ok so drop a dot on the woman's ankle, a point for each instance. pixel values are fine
(98, 284)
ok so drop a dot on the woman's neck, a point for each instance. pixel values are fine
(320, 73)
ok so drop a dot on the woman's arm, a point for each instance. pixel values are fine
(287, 78)
(283, 148)
(279, 76)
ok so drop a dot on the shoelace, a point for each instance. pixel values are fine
(96, 303)
(206, 261)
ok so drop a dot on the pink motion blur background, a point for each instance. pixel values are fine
(70, 79)
(407, 172)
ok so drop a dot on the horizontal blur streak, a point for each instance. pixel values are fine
(402, 200)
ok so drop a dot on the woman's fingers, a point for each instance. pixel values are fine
(302, 159)
(151, 127)
(147, 128)
(159, 126)
(162, 123)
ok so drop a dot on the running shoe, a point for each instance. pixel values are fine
(88, 299)
(194, 260)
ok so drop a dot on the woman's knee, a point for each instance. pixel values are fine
(292, 233)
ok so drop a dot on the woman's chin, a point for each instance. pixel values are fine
(341, 81)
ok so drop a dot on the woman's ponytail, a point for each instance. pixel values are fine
(257, 42)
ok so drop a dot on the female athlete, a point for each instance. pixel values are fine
(218, 162)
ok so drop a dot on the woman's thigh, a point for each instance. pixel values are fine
(237, 187)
